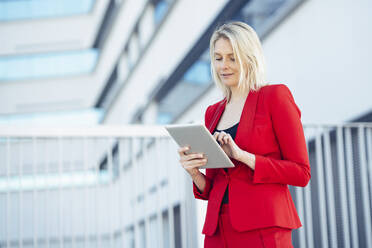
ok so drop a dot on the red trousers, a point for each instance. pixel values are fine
(226, 237)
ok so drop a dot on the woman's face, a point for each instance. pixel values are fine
(225, 63)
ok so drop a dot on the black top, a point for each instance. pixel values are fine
(232, 131)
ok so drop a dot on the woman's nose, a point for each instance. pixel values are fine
(225, 63)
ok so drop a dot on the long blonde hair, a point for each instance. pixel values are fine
(247, 50)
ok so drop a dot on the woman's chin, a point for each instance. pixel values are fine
(229, 83)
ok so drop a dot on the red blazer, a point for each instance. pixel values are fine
(270, 127)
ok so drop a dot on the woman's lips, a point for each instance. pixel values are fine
(226, 75)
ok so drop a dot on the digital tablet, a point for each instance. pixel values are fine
(200, 140)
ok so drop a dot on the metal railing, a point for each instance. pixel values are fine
(335, 208)
(93, 187)
(123, 187)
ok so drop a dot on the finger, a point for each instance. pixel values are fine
(216, 135)
(225, 139)
(194, 163)
(191, 162)
(183, 149)
(197, 165)
(193, 156)
(220, 137)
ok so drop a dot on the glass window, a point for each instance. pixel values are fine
(258, 13)
(199, 73)
(32, 9)
(191, 86)
(164, 118)
(161, 8)
(47, 65)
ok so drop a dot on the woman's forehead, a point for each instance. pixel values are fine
(223, 46)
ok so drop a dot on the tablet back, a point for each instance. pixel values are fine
(200, 140)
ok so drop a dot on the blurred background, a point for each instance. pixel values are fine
(86, 87)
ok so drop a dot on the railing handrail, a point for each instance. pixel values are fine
(123, 131)
(341, 124)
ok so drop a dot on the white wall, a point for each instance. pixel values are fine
(322, 52)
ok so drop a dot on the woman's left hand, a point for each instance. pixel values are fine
(228, 144)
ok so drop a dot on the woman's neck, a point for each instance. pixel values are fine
(238, 97)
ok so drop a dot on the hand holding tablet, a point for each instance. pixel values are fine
(200, 140)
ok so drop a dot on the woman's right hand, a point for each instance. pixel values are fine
(191, 162)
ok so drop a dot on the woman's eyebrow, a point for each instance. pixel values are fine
(220, 54)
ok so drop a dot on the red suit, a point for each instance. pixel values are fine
(270, 127)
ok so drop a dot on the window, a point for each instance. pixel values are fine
(32, 9)
(47, 65)
(189, 88)
(161, 8)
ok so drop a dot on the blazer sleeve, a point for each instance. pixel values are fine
(208, 186)
(210, 173)
(294, 167)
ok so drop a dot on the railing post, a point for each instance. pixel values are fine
(364, 187)
(342, 185)
(369, 165)
(308, 213)
(47, 193)
(86, 192)
(351, 188)
(7, 223)
(321, 187)
(183, 210)
(108, 189)
(96, 194)
(20, 192)
(300, 210)
(170, 198)
(60, 170)
(33, 171)
(134, 184)
(330, 191)
(157, 146)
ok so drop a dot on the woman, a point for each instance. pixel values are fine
(259, 128)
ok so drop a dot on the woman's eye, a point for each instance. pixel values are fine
(232, 59)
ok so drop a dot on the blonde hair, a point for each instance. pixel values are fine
(247, 50)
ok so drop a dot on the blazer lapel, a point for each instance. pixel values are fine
(245, 126)
(217, 115)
